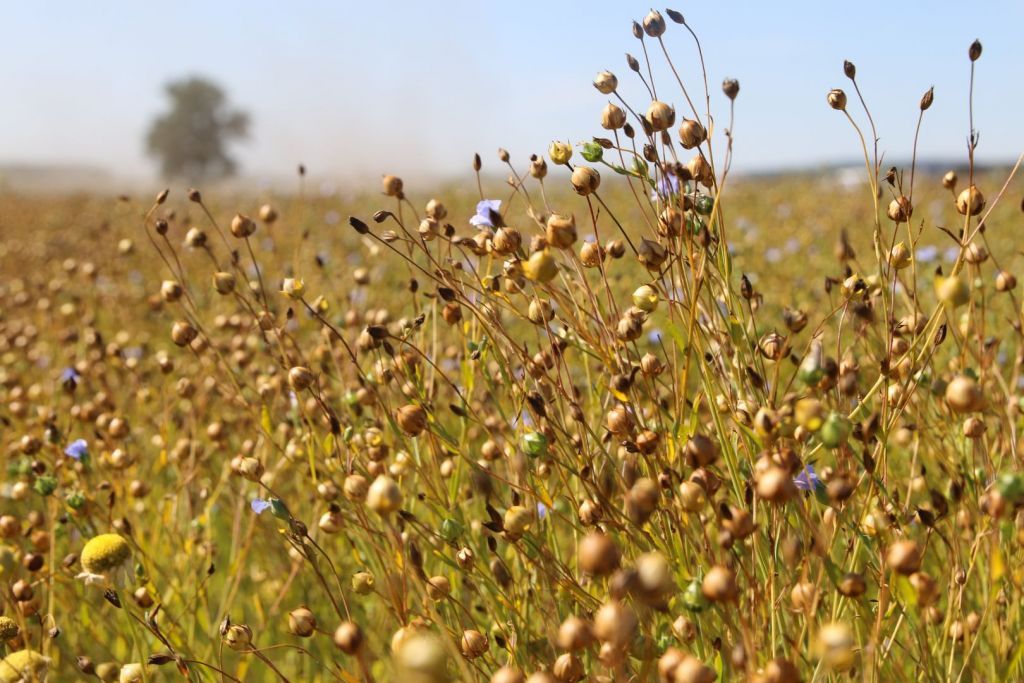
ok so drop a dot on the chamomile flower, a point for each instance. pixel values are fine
(106, 559)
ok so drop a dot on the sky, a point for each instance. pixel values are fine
(356, 89)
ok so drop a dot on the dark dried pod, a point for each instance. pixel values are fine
(359, 226)
(731, 88)
(974, 52)
(927, 99)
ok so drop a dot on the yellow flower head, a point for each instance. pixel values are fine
(23, 665)
(106, 558)
(293, 287)
(560, 152)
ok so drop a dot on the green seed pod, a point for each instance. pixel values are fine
(693, 597)
(835, 430)
(535, 444)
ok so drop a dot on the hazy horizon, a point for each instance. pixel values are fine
(333, 86)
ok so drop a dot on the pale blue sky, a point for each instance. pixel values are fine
(354, 88)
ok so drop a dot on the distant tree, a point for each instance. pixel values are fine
(191, 138)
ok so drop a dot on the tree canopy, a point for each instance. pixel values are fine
(192, 137)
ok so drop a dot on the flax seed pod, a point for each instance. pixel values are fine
(660, 116)
(691, 134)
(612, 117)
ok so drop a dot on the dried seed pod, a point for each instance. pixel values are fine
(473, 644)
(348, 638)
(561, 231)
(575, 634)
(183, 334)
(301, 622)
(1005, 281)
(719, 584)
(964, 395)
(568, 668)
(900, 210)
(606, 82)
(904, 557)
(242, 226)
(412, 419)
(654, 24)
(612, 117)
(585, 180)
(700, 451)
(837, 99)
(615, 623)
(384, 496)
(660, 116)
(691, 134)
(970, 201)
(392, 186)
(300, 378)
(852, 585)
(598, 554)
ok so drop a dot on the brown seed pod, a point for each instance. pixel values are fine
(591, 255)
(575, 634)
(700, 451)
(384, 495)
(660, 116)
(654, 24)
(904, 557)
(612, 117)
(837, 99)
(1005, 281)
(970, 201)
(780, 670)
(569, 668)
(561, 231)
(438, 588)
(900, 210)
(606, 82)
(691, 134)
(598, 554)
(242, 226)
(974, 427)
(412, 419)
(585, 180)
(776, 485)
(719, 584)
(392, 186)
(301, 622)
(508, 674)
(348, 638)
(183, 334)
(964, 395)
(615, 623)
(692, 670)
(268, 214)
(473, 644)
(300, 378)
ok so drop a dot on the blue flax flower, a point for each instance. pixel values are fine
(77, 449)
(487, 215)
(808, 479)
